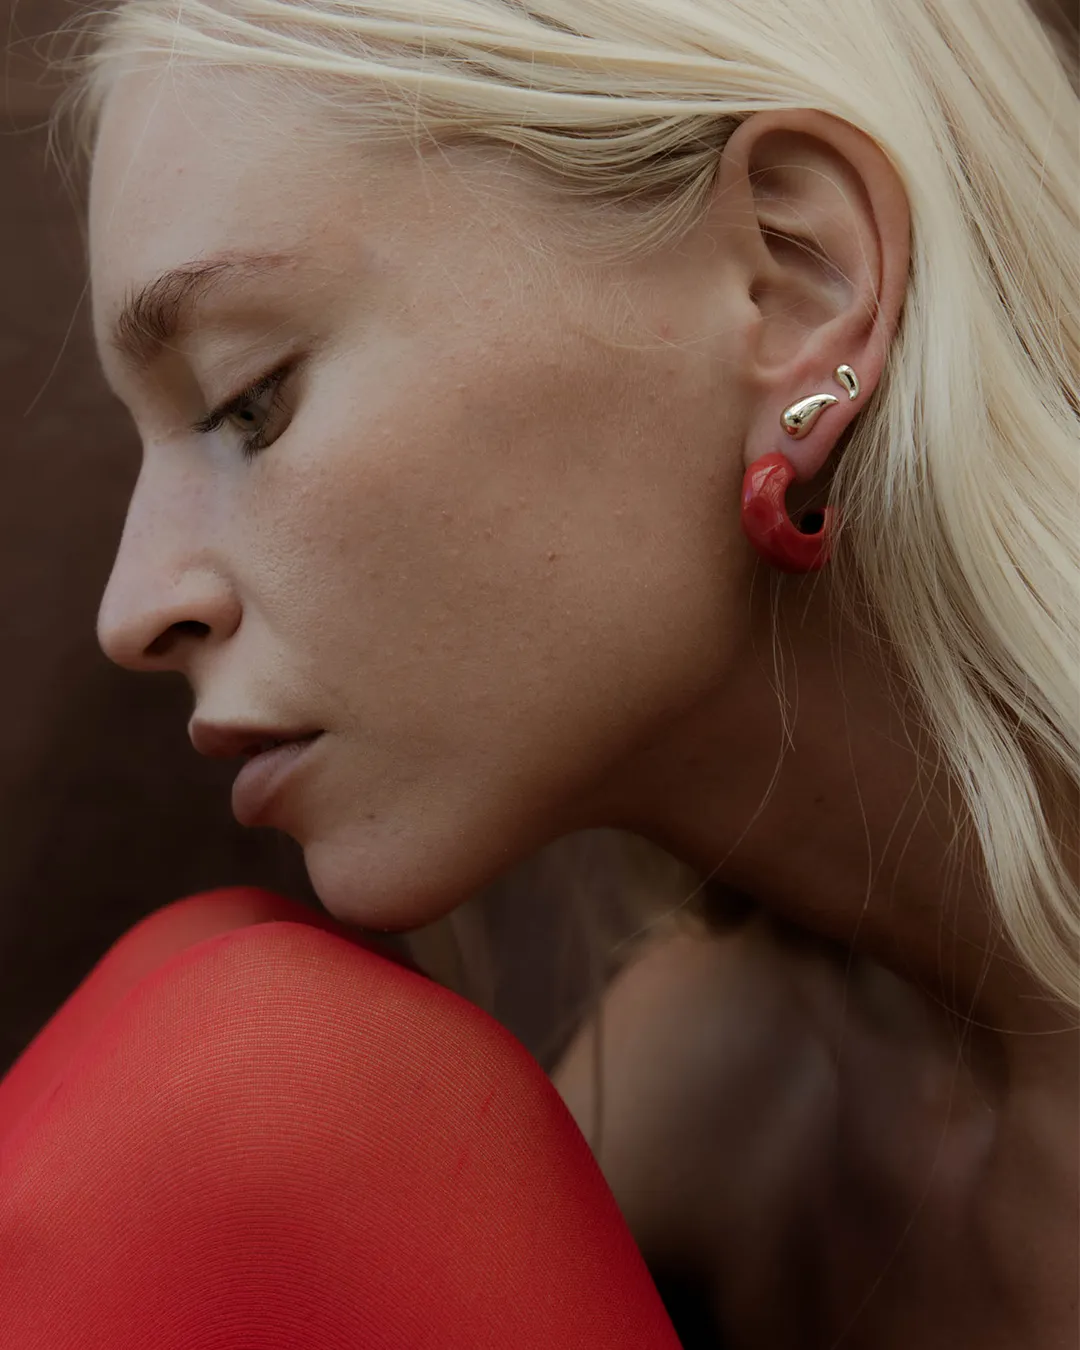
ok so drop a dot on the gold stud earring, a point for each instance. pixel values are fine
(846, 376)
(801, 416)
(798, 419)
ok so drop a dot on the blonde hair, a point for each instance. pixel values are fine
(958, 486)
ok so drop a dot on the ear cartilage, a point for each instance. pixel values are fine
(846, 376)
(800, 417)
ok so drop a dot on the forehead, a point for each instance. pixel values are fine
(190, 165)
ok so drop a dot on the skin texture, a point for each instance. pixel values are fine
(802, 1141)
(494, 554)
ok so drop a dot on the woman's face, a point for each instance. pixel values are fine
(477, 521)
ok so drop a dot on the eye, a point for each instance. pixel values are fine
(258, 414)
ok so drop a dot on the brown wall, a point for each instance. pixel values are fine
(105, 811)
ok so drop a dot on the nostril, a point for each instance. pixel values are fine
(185, 628)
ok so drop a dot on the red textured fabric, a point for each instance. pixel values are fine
(140, 950)
(273, 1138)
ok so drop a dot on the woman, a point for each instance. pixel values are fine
(484, 355)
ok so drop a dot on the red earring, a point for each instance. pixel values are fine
(765, 520)
(768, 526)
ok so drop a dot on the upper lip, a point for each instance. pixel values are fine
(221, 741)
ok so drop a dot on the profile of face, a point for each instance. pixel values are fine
(421, 475)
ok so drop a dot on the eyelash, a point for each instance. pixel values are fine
(250, 445)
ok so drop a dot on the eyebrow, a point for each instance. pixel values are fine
(158, 312)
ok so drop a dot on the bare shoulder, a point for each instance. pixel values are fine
(713, 1086)
(796, 1132)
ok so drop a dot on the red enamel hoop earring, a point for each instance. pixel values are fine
(786, 546)
(768, 526)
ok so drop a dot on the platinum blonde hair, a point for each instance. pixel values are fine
(958, 487)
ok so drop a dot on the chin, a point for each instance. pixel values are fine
(358, 885)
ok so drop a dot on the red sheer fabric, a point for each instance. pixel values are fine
(247, 1132)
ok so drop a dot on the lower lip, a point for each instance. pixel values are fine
(264, 776)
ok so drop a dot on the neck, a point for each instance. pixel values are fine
(831, 818)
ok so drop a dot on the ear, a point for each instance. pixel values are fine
(824, 263)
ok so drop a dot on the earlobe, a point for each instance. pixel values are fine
(785, 545)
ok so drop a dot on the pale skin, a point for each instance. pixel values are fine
(492, 550)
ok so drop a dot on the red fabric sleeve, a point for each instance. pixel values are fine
(138, 952)
(279, 1140)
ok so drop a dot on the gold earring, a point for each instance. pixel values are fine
(846, 376)
(799, 418)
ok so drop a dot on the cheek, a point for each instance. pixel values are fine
(493, 591)
(537, 509)
(456, 595)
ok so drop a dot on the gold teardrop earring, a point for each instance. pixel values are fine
(798, 418)
(846, 376)
(785, 545)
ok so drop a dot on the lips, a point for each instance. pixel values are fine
(273, 756)
(235, 741)
(268, 776)
(261, 747)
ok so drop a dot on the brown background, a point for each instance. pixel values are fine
(105, 812)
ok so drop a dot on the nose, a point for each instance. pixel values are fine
(168, 597)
